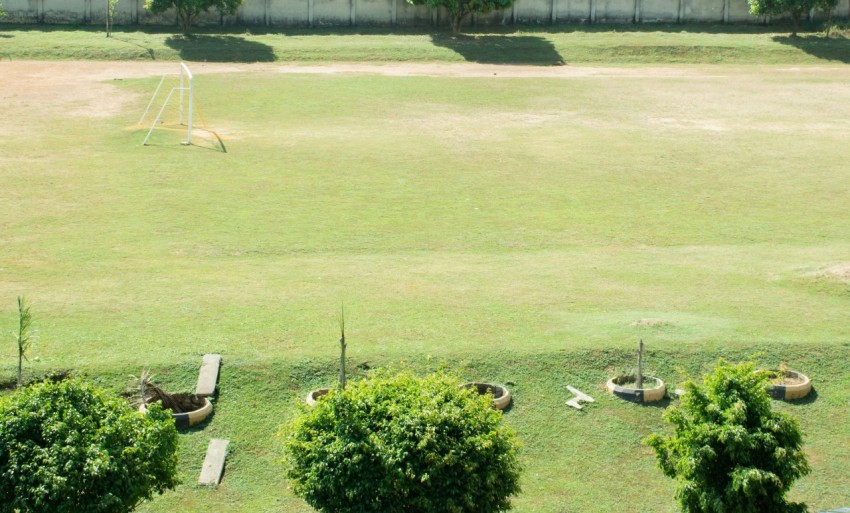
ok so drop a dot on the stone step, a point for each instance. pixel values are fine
(214, 462)
(208, 376)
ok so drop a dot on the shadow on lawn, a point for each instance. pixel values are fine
(219, 48)
(501, 49)
(827, 48)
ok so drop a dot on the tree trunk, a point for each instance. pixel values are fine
(639, 379)
(342, 363)
(795, 20)
(342, 349)
(20, 368)
(456, 22)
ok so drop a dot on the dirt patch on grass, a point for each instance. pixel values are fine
(651, 323)
(46, 89)
(679, 124)
(833, 272)
(34, 92)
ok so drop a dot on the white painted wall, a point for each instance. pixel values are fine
(293, 13)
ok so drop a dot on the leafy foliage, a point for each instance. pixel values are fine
(66, 447)
(188, 10)
(797, 9)
(459, 10)
(400, 443)
(730, 452)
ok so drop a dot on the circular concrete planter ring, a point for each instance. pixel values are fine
(190, 418)
(501, 395)
(315, 395)
(791, 392)
(636, 395)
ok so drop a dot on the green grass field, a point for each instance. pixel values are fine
(546, 46)
(522, 230)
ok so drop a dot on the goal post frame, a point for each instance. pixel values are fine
(183, 88)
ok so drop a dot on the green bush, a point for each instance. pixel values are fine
(400, 443)
(730, 452)
(68, 448)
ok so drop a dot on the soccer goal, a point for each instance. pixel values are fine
(177, 109)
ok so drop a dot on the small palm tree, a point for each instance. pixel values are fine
(23, 337)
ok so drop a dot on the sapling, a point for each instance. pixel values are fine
(23, 337)
(342, 348)
(110, 14)
(639, 380)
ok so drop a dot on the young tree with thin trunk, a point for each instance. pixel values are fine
(23, 336)
(110, 15)
(342, 348)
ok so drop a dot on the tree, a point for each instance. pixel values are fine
(23, 336)
(730, 453)
(459, 10)
(110, 14)
(67, 447)
(188, 10)
(797, 9)
(399, 443)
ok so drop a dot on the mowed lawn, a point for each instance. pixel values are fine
(523, 230)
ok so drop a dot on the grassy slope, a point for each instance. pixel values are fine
(599, 44)
(515, 234)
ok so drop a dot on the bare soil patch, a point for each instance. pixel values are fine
(839, 272)
(33, 92)
(650, 323)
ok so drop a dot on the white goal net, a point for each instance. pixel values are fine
(173, 107)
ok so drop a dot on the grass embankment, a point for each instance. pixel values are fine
(591, 460)
(597, 44)
(522, 230)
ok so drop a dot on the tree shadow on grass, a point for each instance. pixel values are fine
(501, 49)
(661, 404)
(220, 48)
(826, 48)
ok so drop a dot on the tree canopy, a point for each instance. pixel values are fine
(460, 10)
(400, 443)
(729, 452)
(797, 9)
(67, 447)
(188, 10)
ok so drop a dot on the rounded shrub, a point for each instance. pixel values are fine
(67, 447)
(730, 452)
(401, 443)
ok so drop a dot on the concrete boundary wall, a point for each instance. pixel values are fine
(318, 13)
